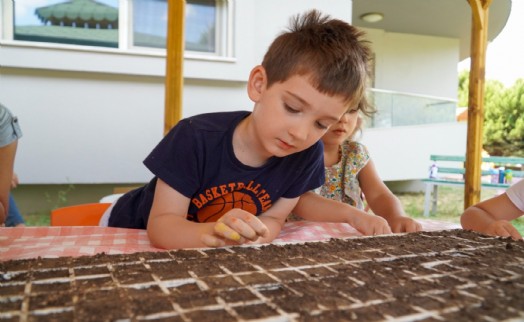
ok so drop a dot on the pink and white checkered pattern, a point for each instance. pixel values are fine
(31, 242)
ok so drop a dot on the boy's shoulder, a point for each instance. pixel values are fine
(218, 121)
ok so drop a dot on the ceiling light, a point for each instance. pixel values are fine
(372, 17)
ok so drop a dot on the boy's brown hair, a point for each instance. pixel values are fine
(331, 51)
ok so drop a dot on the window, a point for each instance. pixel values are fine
(98, 23)
(150, 24)
(77, 22)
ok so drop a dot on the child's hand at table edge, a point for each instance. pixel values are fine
(370, 225)
(237, 226)
(502, 228)
(402, 224)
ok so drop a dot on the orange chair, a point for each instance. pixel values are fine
(88, 214)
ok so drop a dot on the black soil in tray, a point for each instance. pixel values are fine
(452, 275)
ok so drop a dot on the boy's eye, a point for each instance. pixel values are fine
(352, 111)
(321, 126)
(290, 109)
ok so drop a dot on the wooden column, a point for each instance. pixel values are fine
(174, 83)
(479, 36)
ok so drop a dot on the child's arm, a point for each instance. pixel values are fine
(317, 208)
(383, 202)
(168, 227)
(492, 217)
(272, 221)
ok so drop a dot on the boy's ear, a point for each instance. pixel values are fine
(256, 83)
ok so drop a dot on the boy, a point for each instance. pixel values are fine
(492, 216)
(231, 178)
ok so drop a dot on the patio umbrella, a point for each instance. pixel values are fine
(81, 13)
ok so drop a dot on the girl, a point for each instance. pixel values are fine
(350, 174)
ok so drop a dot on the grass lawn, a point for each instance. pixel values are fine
(37, 219)
(449, 207)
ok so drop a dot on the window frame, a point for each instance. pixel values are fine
(223, 38)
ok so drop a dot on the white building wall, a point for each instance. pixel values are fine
(402, 153)
(416, 64)
(93, 115)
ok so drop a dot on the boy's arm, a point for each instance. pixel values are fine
(492, 217)
(264, 228)
(314, 207)
(168, 227)
(275, 217)
(383, 202)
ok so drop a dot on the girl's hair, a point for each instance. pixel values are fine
(357, 132)
(330, 51)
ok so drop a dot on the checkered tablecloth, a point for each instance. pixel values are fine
(31, 242)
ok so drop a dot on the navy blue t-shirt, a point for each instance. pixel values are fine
(196, 158)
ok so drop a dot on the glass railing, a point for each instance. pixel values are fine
(402, 109)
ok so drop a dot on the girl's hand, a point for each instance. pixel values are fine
(404, 225)
(502, 228)
(370, 225)
(237, 226)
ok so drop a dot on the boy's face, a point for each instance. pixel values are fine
(292, 115)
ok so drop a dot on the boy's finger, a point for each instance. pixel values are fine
(212, 241)
(225, 231)
(243, 228)
(247, 225)
(257, 225)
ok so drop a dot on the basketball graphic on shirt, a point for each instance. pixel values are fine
(218, 207)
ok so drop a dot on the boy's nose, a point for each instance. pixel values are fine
(299, 131)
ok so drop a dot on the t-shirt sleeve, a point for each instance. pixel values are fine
(516, 194)
(9, 127)
(175, 159)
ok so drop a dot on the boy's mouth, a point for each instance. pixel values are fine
(284, 145)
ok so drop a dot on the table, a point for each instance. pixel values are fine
(52, 242)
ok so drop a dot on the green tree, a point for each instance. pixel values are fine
(463, 88)
(503, 131)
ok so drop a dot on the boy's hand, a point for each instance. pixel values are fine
(404, 225)
(237, 226)
(370, 225)
(502, 228)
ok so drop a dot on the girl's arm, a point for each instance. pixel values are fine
(492, 217)
(383, 202)
(314, 207)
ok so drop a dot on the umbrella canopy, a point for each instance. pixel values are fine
(80, 13)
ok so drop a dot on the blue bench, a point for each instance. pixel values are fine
(450, 171)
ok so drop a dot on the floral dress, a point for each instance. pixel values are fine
(342, 178)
